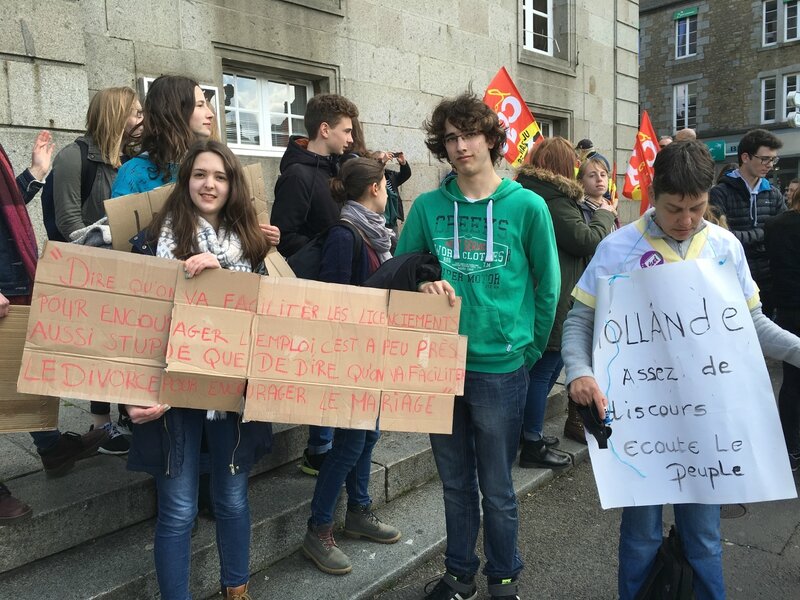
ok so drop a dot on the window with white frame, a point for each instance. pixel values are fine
(545, 127)
(686, 36)
(768, 96)
(790, 14)
(770, 22)
(685, 103)
(537, 26)
(790, 84)
(262, 111)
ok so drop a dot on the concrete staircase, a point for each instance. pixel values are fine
(91, 535)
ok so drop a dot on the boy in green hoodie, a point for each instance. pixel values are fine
(495, 242)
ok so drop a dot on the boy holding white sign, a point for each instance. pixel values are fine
(672, 231)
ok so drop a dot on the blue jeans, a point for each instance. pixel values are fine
(320, 439)
(177, 508)
(543, 376)
(348, 462)
(479, 454)
(640, 537)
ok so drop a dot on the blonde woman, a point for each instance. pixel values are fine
(111, 123)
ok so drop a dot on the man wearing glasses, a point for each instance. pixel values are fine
(495, 242)
(748, 201)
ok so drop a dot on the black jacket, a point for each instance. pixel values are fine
(303, 205)
(394, 179)
(404, 272)
(746, 221)
(782, 240)
(14, 280)
(158, 446)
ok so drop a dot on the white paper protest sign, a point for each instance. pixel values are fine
(693, 413)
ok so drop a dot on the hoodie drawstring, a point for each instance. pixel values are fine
(456, 244)
(489, 232)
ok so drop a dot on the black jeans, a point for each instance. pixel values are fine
(789, 396)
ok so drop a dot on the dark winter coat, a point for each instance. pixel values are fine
(782, 242)
(576, 240)
(158, 446)
(303, 205)
(746, 219)
(394, 179)
(14, 280)
(337, 264)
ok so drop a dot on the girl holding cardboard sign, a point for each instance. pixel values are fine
(361, 190)
(208, 222)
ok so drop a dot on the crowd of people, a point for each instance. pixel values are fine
(527, 308)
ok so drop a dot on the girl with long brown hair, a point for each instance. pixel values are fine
(175, 116)
(209, 222)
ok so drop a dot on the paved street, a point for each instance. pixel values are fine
(569, 545)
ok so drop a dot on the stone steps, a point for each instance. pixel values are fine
(99, 496)
(91, 534)
(419, 514)
(120, 564)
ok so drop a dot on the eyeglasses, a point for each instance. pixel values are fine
(467, 136)
(767, 160)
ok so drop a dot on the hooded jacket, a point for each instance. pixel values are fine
(499, 254)
(747, 214)
(576, 239)
(303, 205)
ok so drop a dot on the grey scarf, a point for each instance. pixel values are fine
(372, 225)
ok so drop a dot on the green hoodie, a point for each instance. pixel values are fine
(508, 302)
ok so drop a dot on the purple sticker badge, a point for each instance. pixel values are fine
(651, 259)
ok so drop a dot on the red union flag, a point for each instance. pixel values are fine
(640, 169)
(522, 131)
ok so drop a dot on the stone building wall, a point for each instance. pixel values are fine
(395, 60)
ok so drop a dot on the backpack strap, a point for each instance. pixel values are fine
(88, 171)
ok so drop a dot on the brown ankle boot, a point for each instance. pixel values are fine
(237, 593)
(573, 428)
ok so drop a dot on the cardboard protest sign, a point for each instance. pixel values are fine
(348, 364)
(20, 412)
(121, 327)
(128, 215)
(209, 341)
(277, 265)
(296, 402)
(98, 326)
(693, 413)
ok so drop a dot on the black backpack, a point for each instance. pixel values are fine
(306, 262)
(671, 575)
(88, 173)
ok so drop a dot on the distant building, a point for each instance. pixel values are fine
(722, 68)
